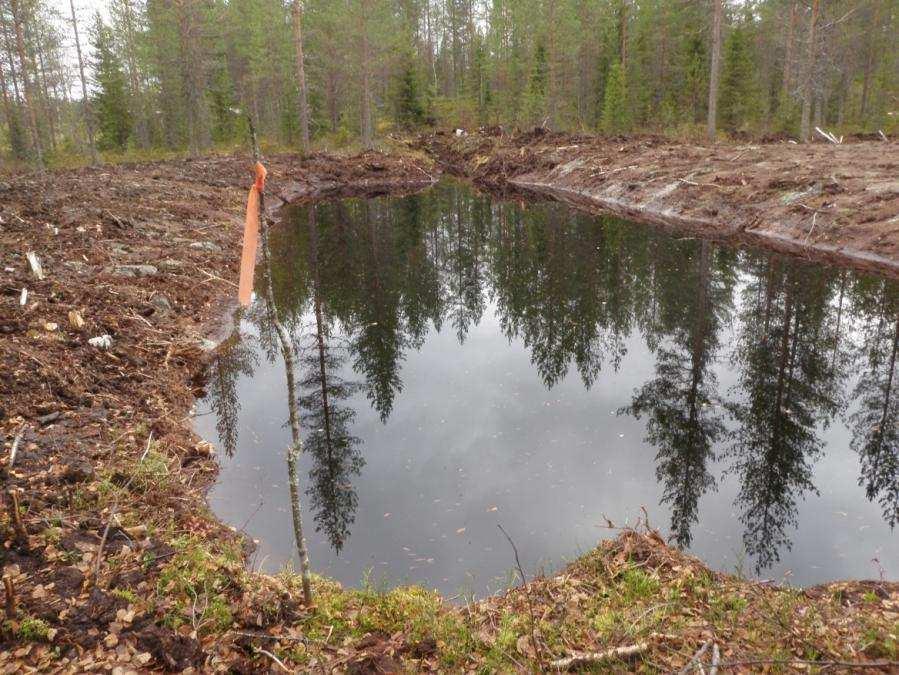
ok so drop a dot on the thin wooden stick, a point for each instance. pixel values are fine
(716, 659)
(113, 512)
(273, 658)
(18, 525)
(695, 658)
(527, 595)
(830, 664)
(10, 598)
(15, 445)
(595, 658)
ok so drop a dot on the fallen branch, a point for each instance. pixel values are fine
(15, 445)
(595, 658)
(273, 658)
(716, 659)
(695, 659)
(883, 136)
(830, 137)
(812, 228)
(825, 664)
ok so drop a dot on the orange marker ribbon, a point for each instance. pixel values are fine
(250, 238)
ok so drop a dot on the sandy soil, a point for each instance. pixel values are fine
(836, 203)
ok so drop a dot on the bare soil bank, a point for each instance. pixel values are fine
(837, 203)
(112, 560)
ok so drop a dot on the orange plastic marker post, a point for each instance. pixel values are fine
(250, 238)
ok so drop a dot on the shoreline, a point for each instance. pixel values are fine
(123, 565)
(831, 204)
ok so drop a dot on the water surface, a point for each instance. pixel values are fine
(465, 363)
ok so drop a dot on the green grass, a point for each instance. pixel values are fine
(198, 578)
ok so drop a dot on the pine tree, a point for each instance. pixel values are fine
(110, 101)
(616, 118)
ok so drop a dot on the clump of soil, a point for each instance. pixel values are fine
(831, 202)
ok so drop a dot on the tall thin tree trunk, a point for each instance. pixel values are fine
(715, 73)
(301, 74)
(552, 85)
(367, 132)
(8, 109)
(788, 52)
(807, 84)
(85, 99)
(41, 76)
(29, 90)
(431, 64)
(9, 57)
(138, 106)
(622, 34)
(296, 446)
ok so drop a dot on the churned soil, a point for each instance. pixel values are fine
(829, 202)
(146, 255)
(111, 560)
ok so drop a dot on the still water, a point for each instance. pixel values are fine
(465, 362)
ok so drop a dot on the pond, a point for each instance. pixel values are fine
(465, 363)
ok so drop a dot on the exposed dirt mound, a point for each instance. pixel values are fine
(832, 202)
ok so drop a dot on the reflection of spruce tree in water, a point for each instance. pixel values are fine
(378, 339)
(336, 458)
(558, 285)
(788, 385)
(465, 277)
(682, 401)
(236, 357)
(875, 424)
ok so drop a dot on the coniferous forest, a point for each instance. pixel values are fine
(133, 76)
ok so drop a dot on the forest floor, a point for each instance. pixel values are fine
(112, 559)
(834, 203)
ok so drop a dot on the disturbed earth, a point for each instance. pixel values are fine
(110, 558)
(827, 202)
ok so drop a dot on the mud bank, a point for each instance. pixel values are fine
(112, 562)
(834, 203)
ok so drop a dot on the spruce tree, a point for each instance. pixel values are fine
(110, 101)
(410, 112)
(536, 96)
(736, 101)
(616, 117)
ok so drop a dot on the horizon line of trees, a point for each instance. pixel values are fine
(186, 74)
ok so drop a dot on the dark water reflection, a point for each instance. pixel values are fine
(464, 362)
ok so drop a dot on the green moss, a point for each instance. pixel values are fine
(125, 594)
(33, 630)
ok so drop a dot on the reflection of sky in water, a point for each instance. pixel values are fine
(475, 439)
